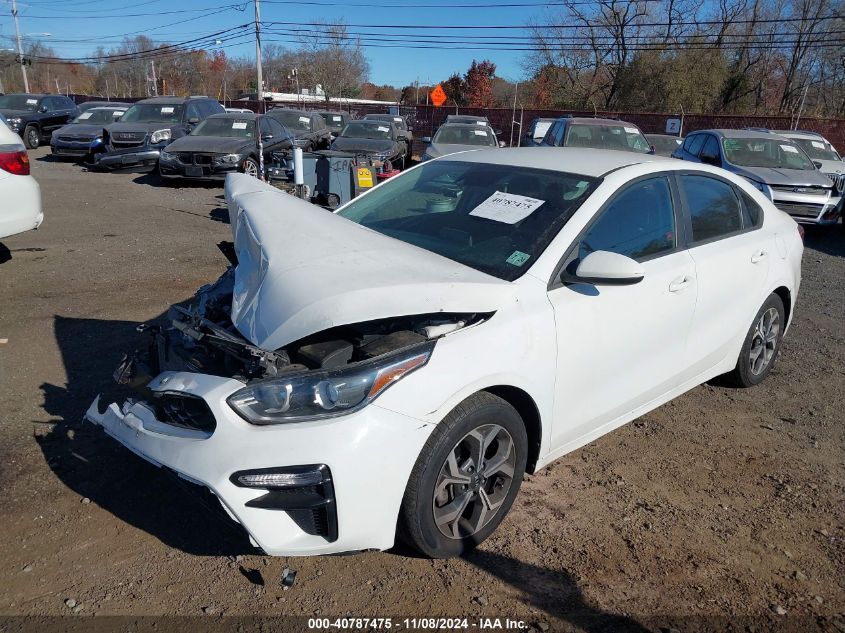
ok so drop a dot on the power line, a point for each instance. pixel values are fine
(99, 15)
(486, 5)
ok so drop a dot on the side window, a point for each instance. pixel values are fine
(752, 214)
(48, 103)
(714, 208)
(192, 111)
(639, 222)
(561, 130)
(213, 107)
(693, 144)
(67, 104)
(549, 138)
(711, 147)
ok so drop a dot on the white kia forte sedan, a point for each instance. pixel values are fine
(20, 195)
(395, 368)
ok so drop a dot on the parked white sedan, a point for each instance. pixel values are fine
(20, 209)
(401, 363)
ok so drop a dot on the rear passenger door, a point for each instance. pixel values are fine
(731, 256)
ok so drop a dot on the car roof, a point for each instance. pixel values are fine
(799, 134)
(232, 115)
(117, 107)
(576, 160)
(586, 120)
(293, 110)
(470, 126)
(170, 100)
(36, 95)
(664, 136)
(726, 133)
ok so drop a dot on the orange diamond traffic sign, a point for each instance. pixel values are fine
(438, 96)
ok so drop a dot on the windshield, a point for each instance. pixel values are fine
(225, 126)
(333, 120)
(665, 145)
(18, 102)
(293, 120)
(620, 137)
(99, 116)
(398, 121)
(763, 152)
(817, 149)
(465, 135)
(153, 113)
(495, 218)
(366, 129)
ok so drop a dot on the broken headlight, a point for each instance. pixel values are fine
(323, 394)
(159, 136)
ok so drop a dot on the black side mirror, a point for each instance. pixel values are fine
(818, 164)
(267, 137)
(43, 109)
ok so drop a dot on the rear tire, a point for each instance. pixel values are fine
(31, 137)
(465, 479)
(761, 346)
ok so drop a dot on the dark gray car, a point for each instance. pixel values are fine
(774, 164)
(401, 123)
(459, 137)
(87, 105)
(83, 137)
(148, 126)
(381, 140)
(308, 128)
(664, 144)
(335, 121)
(222, 144)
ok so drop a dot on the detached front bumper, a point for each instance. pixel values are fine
(369, 455)
(75, 149)
(142, 156)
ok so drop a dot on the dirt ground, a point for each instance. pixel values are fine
(722, 510)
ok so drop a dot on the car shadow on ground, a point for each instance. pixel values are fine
(826, 239)
(96, 467)
(153, 179)
(554, 591)
(5, 253)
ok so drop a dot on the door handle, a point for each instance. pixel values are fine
(758, 257)
(680, 283)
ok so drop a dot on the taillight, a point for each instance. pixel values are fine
(14, 160)
(801, 232)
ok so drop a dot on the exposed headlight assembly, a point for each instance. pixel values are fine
(166, 156)
(14, 122)
(160, 135)
(229, 159)
(324, 394)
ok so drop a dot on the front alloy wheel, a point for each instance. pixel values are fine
(250, 167)
(474, 481)
(31, 137)
(465, 479)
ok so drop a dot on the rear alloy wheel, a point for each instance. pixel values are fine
(250, 167)
(761, 346)
(31, 137)
(465, 479)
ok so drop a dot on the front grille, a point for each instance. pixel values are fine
(811, 189)
(76, 138)
(128, 139)
(800, 209)
(126, 143)
(203, 159)
(838, 182)
(191, 158)
(184, 411)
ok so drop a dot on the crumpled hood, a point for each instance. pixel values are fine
(366, 145)
(214, 144)
(778, 176)
(442, 149)
(92, 130)
(302, 270)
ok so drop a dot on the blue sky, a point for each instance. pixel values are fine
(76, 27)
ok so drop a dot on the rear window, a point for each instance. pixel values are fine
(619, 137)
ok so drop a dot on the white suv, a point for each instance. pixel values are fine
(822, 153)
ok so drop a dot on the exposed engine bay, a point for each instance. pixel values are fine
(200, 337)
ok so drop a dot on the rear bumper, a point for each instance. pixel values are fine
(22, 210)
(369, 454)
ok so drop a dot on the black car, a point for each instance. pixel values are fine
(35, 116)
(380, 140)
(308, 128)
(401, 123)
(83, 137)
(222, 144)
(336, 121)
(664, 144)
(87, 105)
(150, 125)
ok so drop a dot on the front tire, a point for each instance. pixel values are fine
(761, 345)
(31, 137)
(250, 167)
(465, 479)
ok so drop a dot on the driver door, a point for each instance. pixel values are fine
(622, 346)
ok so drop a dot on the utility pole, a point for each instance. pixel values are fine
(20, 49)
(260, 80)
(155, 81)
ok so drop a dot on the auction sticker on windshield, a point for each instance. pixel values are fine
(239, 125)
(508, 208)
(789, 148)
(167, 110)
(518, 258)
(85, 115)
(480, 132)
